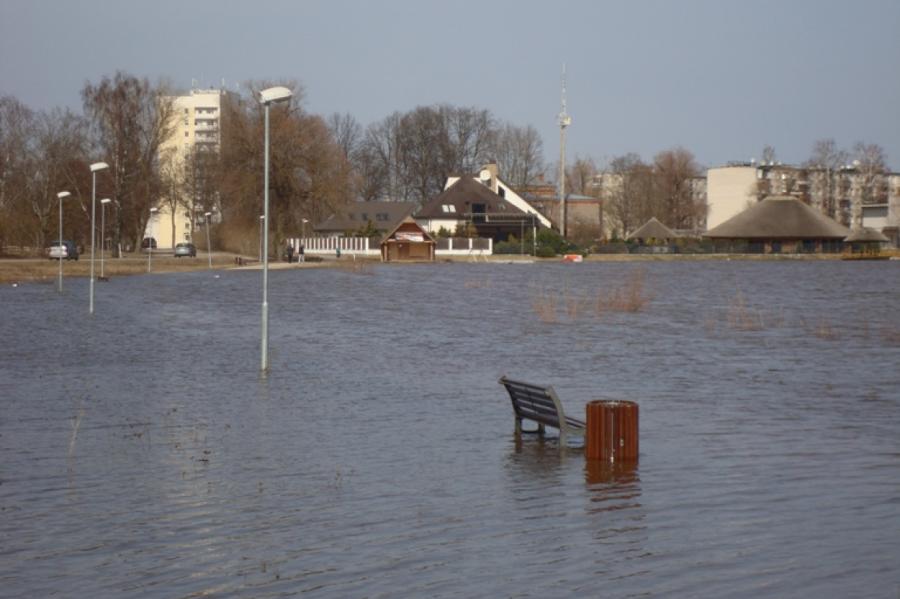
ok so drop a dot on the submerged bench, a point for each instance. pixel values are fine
(540, 404)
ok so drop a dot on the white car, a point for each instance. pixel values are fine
(66, 251)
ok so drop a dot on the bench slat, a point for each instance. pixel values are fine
(540, 404)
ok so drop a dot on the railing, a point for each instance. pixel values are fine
(364, 246)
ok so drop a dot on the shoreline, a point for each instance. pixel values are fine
(41, 270)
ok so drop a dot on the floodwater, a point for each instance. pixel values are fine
(142, 455)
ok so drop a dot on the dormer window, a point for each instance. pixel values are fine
(448, 208)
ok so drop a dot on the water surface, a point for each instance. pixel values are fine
(143, 455)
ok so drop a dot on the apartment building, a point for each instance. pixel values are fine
(196, 128)
(850, 195)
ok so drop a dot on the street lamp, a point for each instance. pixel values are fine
(262, 219)
(97, 166)
(208, 245)
(150, 240)
(303, 225)
(103, 204)
(268, 97)
(60, 196)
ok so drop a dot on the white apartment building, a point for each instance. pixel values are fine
(196, 127)
(846, 194)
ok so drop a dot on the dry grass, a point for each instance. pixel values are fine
(38, 270)
(477, 284)
(573, 303)
(743, 318)
(891, 334)
(824, 330)
(543, 302)
(629, 296)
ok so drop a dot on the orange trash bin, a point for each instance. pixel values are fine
(611, 431)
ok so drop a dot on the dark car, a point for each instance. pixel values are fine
(68, 250)
(185, 249)
(148, 242)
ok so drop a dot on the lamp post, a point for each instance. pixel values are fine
(150, 240)
(103, 204)
(303, 228)
(268, 97)
(208, 243)
(262, 219)
(97, 166)
(60, 196)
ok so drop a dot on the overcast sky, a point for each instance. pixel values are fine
(721, 78)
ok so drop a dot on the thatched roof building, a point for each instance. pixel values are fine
(866, 235)
(781, 224)
(653, 229)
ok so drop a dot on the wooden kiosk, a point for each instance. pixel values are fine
(408, 242)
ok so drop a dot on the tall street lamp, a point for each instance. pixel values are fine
(150, 240)
(60, 196)
(262, 219)
(103, 204)
(208, 244)
(97, 166)
(268, 97)
(303, 227)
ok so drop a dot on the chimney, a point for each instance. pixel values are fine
(488, 175)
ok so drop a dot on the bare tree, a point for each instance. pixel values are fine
(131, 118)
(870, 161)
(16, 124)
(768, 155)
(519, 154)
(411, 154)
(310, 176)
(348, 134)
(627, 190)
(673, 171)
(580, 176)
(825, 161)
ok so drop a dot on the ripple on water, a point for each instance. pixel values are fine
(377, 458)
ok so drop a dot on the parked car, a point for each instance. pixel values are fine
(148, 242)
(185, 249)
(68, 250)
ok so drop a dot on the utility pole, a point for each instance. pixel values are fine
(564, 121)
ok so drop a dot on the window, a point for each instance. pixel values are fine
(185, 133)
(448, 208)
(382, 216)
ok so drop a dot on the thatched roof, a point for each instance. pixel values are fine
(653, 229)
(867, 234)
(779, 217)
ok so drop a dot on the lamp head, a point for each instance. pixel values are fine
(63, 194)
(275, 94)
(152, 210)
(105, 201)
(99, 166)
(207, 214)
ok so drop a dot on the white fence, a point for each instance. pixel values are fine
(363, 246)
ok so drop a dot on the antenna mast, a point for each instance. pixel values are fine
(564, 121)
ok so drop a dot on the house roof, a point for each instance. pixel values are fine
(866, 234)
(779, 217)
(655, 229)
(384, 216)
(408, 225)
(461, 195)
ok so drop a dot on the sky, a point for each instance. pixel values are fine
(722, 78)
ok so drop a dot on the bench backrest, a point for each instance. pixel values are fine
(535, 402)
